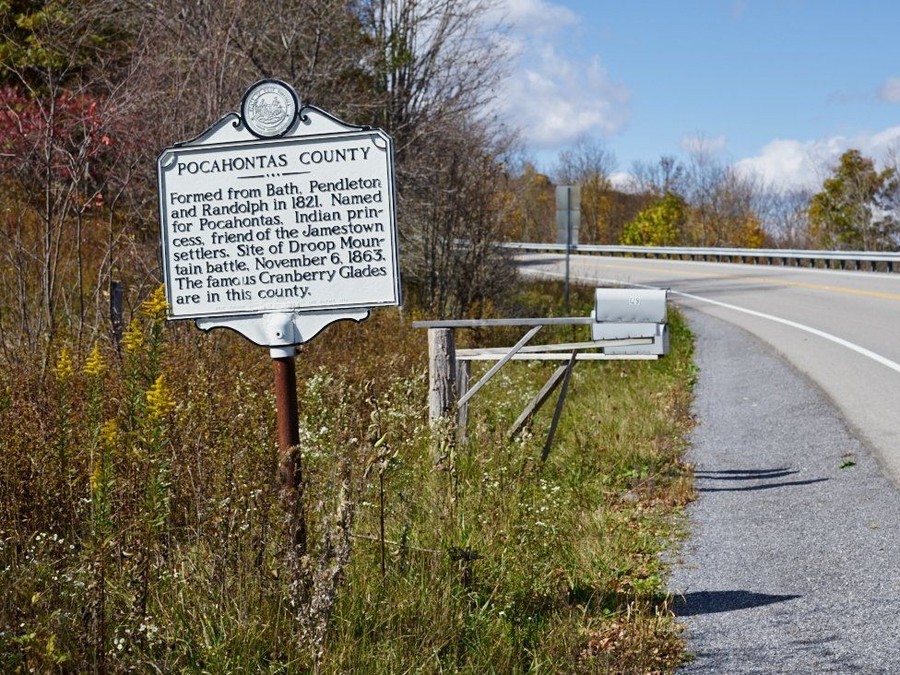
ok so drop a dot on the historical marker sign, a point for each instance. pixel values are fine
(300, 222)
(277, 222)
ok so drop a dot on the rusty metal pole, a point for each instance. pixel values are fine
(290, 472)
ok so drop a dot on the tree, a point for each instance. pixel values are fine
(857, 207)
(42, 41)
(434, 67)
(532, 206)
(723, 204)
(660, 224)
(589, 163)
(429, 62)
(668, 175)
(785, 216)
(452, 213)
(60, 152)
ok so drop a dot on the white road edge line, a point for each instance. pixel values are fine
(878, 358)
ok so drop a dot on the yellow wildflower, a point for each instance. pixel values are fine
(133, 338)
(160, 401)
(156, 306)
(96, 475)
(64, 368)
(94, 366)
(109, 433)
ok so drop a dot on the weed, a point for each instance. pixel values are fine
(140, 523)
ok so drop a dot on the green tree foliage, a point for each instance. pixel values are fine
(24, 26)
(723, 204)
(857, 207)
(45, 43)
(660, 224)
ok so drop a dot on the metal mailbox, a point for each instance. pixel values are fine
(622, 313)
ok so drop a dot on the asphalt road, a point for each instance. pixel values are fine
(840, 329)
(793, 563)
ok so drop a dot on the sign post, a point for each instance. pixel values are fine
(290, 471)
(568, 222)
(276, 222)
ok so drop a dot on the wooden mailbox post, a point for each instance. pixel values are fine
(625, 324)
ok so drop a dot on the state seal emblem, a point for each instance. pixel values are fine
(269, 108)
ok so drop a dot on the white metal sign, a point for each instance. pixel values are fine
(303, 222)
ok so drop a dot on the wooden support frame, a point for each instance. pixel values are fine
(558, 412)
(441, 373)
(497, 366)
(463, 373)
(449, 391)
(537, 402)
(466, 355)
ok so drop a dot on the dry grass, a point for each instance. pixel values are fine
(140, 525)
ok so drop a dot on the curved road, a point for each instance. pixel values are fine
(793, 564)
(841, 329)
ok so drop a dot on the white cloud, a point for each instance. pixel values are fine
(890, 90)
(551, 97)
(883, 141)
(537, 17)
(788, 164)
(623, 181)
(785, 164)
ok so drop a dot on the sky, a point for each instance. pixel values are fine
(778, 88)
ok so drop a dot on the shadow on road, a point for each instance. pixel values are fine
(761, 479)
(746, 474)
(713, 602)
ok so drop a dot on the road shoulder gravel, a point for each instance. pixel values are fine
(793, 561)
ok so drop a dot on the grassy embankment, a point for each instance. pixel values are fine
(140, 525)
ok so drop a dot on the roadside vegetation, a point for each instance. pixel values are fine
(140, 526)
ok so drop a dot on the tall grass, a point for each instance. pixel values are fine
(141, 529)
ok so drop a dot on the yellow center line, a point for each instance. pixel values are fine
(761, 280)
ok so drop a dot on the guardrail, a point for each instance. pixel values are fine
(880, 261)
